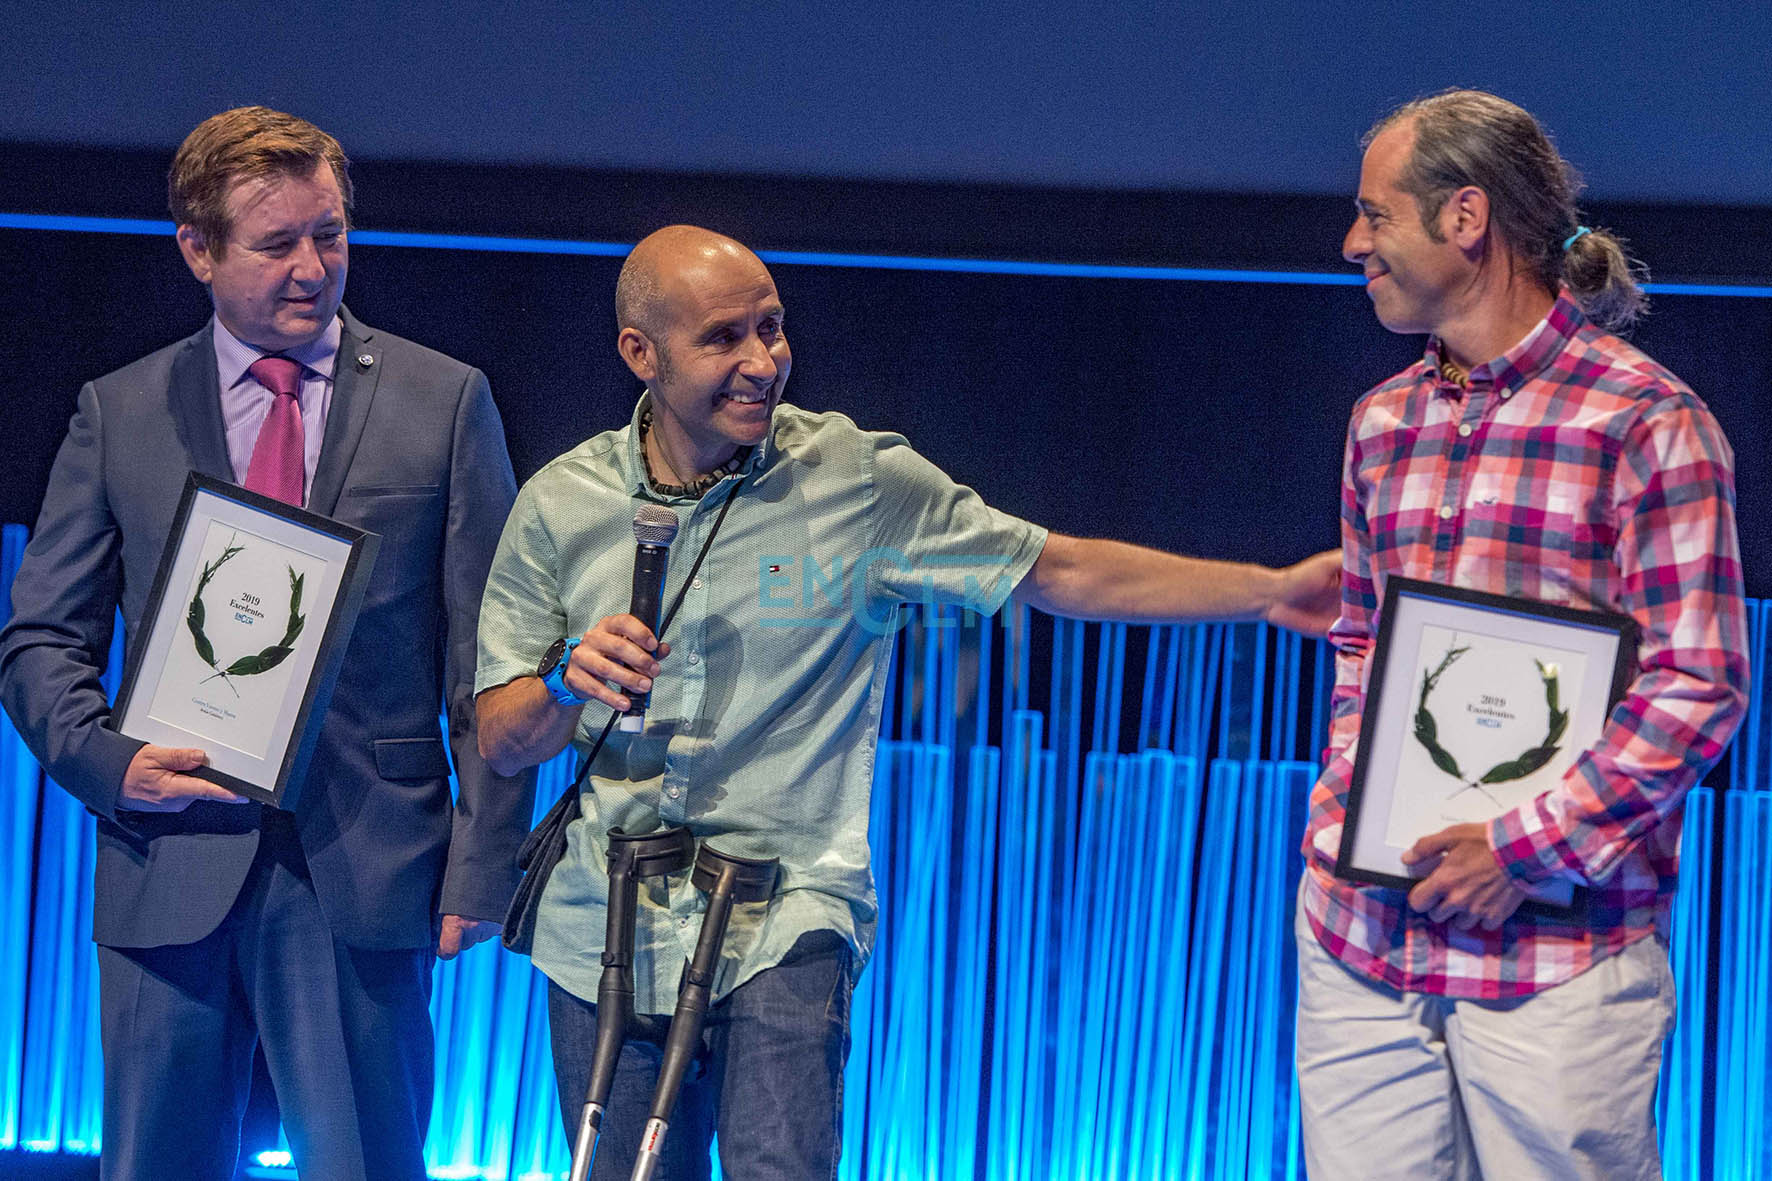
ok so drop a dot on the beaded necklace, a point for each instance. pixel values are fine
(697, 488)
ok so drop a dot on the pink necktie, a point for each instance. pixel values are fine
(278, 459)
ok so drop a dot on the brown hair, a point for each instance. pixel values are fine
(242, 144)
(1471, 137)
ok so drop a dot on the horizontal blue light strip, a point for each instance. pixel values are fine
(1067, 270)
(1746, 290)
(83, 225)
(819, 258)
(497, 245)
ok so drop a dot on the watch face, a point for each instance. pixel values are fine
(550, 659)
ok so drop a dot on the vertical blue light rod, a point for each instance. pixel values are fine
(21, 783)
(935, 833)
(966, 1048)
(1680, 1103)
(1192, 1112)
(1742, 988)
(1747, 769)
(61, 1084)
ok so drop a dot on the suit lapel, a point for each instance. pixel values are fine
(353, 389)
(195, 394)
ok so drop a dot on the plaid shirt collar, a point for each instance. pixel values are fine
(1514, 368)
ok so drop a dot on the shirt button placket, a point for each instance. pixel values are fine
(688, 629)
(1453, 491)
(692, 637)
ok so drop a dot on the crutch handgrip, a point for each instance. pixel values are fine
(630, 858)
(727, 880)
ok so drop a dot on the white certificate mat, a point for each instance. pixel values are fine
(240, 644)
(1477, 704)
(1489, 706)
(258, 589)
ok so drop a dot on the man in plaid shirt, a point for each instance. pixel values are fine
(1529, 453)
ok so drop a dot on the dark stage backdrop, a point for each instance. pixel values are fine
(1201, 416)
(1650, 99)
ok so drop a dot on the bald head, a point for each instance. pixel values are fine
(663, 261)
(701, 325)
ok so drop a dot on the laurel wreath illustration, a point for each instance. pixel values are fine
(261, 661)
(1427, 730)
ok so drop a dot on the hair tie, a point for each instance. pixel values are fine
(1579, 231)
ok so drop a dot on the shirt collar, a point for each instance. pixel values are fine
(634, 463)
(1538, 348)
(233, 356)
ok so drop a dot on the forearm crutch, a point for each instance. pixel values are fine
(631, 858)
(726, 880)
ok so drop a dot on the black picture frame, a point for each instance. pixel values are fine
(298, 683)
(1605, 640)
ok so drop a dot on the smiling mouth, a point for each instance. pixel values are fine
(746, 399)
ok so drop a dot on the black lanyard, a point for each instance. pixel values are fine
(584, 768)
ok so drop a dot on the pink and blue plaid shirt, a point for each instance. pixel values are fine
(1572, 470)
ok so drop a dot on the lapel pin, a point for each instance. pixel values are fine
(364, 360)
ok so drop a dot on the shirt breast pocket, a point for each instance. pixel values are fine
(1525, 549)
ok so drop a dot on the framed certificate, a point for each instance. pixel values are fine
(1476, 703)
(243, 636)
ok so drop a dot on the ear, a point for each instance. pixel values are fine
(1468, 211)
(638, 353)
(190, 244)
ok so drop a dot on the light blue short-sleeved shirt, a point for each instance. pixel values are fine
(763, 722)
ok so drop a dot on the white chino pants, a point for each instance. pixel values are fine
(1557, 1085)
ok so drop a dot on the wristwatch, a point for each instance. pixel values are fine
(552, 671)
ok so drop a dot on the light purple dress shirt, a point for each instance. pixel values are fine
(244, 402)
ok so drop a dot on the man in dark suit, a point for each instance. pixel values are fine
(222, 923)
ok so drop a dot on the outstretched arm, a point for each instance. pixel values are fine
(1092, 578)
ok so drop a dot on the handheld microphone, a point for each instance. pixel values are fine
(655, 527)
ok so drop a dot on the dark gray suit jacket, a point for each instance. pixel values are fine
(414, 451)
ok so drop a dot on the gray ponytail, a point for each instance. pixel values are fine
(1605, 280)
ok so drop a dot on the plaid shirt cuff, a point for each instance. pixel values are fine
(1530, 849)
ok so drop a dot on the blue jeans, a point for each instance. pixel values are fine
(769, 1078)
